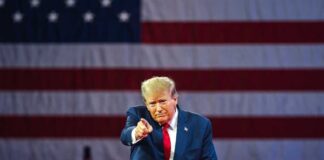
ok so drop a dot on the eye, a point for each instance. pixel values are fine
(152, 104)
(162, 101)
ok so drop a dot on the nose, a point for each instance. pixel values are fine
(158, 108)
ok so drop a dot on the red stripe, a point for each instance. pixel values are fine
(60, 126)
(110, 127)
(268, 127)
(193, 80)
(233, 32)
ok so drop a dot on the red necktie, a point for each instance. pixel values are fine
(166, 142)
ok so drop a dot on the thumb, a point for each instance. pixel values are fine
(150, 128)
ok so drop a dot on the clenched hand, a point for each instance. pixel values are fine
(142, 129)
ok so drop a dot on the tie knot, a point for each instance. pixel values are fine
(165, 126)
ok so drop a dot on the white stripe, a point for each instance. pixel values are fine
(255, 103)
(103, 149)
(232, 10)
(162, 56)
(206, 103)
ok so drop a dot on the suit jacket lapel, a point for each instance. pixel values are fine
(182, 135)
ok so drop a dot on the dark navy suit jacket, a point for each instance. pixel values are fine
(193, 141)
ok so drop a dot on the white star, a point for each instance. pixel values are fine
(2, 3)
(34, 3)
(105, 3)
(124, 16)
(88, 17)
(70, 3)
(53, 17)
(17, 17)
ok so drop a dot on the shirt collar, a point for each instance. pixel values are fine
(174, 121)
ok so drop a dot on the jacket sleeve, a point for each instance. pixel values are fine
(131, 122)
(209, 152)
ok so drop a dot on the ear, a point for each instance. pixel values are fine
(175, 98)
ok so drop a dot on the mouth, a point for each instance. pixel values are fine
(160, 115)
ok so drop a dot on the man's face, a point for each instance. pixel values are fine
(161, 106)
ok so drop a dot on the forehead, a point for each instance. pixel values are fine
(157, 95)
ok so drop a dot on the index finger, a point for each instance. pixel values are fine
(145, 122)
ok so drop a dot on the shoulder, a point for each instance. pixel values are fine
(195, 118)
(138, 111)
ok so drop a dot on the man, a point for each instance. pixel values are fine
(161, 130)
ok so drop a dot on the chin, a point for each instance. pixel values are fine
(161, 120)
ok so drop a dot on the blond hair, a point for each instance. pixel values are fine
(158, 84)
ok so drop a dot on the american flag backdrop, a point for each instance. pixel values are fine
(69, 70)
